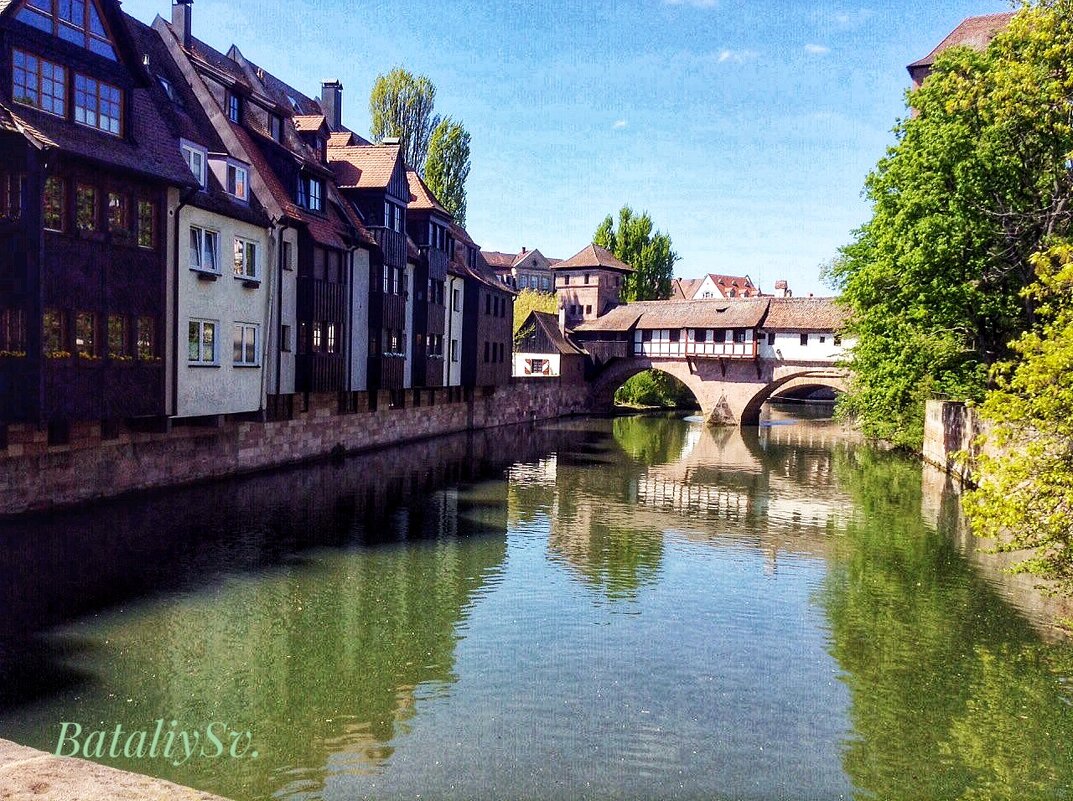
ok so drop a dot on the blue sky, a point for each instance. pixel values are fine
(745, 129)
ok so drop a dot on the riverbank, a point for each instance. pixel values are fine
(96, 464)
(26, 773)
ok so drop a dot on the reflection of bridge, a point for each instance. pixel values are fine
(733, 355)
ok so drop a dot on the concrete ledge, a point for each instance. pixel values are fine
(26, 774)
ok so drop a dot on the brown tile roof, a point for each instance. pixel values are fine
(363, 166)
(805, 314)
(499, 261)
(309, 123)
(974, 32)
(346, 139)
(685, 288)
(421, 196)
(594, 256)
(656, 314)
(550, 324)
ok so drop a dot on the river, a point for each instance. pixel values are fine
(629, 608)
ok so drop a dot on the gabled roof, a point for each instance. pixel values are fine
(499, 261)
(421, 196)
(805, 314)
(549, 324)
(670, 314)
(685, 288)
(364, 166)
(346, 138)
(596, 257)
(310, 123)
(974, 32)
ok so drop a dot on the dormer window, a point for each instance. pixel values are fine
(234, 107)
(310, 193)
(394, 216)
(196, 157)
(98, 105)
(275, 127)
(39, 83)
(75, 21)
(238, 182)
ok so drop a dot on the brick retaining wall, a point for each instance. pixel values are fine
(951, 428)
(36, 475)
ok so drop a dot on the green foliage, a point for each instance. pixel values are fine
(976, 183)
(529, 300)
(401, 104)
(447, 167)
(1025, 499)
(647, 250)
(655, 388)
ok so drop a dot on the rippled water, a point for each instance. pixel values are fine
(635, 608)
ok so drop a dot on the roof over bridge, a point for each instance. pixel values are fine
(774, 314)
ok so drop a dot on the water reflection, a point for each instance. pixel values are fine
(632, 608)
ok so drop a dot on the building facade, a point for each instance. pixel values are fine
(589, 284)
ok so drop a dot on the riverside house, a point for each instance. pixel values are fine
(89, 176)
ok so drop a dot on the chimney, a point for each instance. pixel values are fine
(562, 320)
(524, 251)
(181, 14)
(782, 290)
(331, 97)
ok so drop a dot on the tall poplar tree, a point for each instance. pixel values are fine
(647, 250)
(447, 167)
(401, 105)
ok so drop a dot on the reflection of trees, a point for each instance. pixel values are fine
(325, 664)
(650, 439)
(953, 695)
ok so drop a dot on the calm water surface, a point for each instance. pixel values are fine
(636, 608)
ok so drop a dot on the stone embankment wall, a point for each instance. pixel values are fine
(950, 433)
(26, 774)
(36, 475)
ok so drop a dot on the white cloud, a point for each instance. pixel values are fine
(850, 18)
(817, 49)
(693, 3)
(620, 124)
(735, 56)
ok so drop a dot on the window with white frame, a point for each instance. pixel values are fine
(196, 157)
(238, 182)
(201, 342)
(204, 250)
(316, 194)
(247, 344)
(247, 263)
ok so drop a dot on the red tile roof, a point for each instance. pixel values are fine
(795, 314)
(594, 256)
(309, 123)
(499, 261)
(805, 314)
(421, 196)
(974, 32)
(364, 166)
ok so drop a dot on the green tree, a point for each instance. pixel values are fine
(977, 181)
(1025, 499)
(655, 388)
(401, 105)
(447, 167)
(647, 250)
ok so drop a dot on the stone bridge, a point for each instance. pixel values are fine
(729, 391)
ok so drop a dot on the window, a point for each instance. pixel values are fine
(11, 186)
(118, 213)
(588, 309)
(234, 107)
(55, 196)
(85, 208)
(287, 263)
(454, 350)
(804, 339)
(204, 250)
(317, 337)
(237, 181)
(393, 342)
(487, 350)
(201, 342)
(247, 265)
(12, 331)
(771, 337)
(456, 299)
(146, 224)
(823, 340)
(146, 338)
(396, 280)
(275, 127)
(700, 335)
(118, 337)
(54, 339)
(316, 195)
(487, 304)
(285, 338)
(329, 336)
(246, 350)
(586, 278)
(196, 158)
(76, 21)
(384, 274)
(674, 334)
(39, 83)
(739, 335)
(86, 335)
(98, 104)
(545, 283)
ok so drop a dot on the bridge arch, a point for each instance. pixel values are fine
(618, 372)
(750, 415)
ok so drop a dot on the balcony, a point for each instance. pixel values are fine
(393, 245)
(437, 262)
(697, 350)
